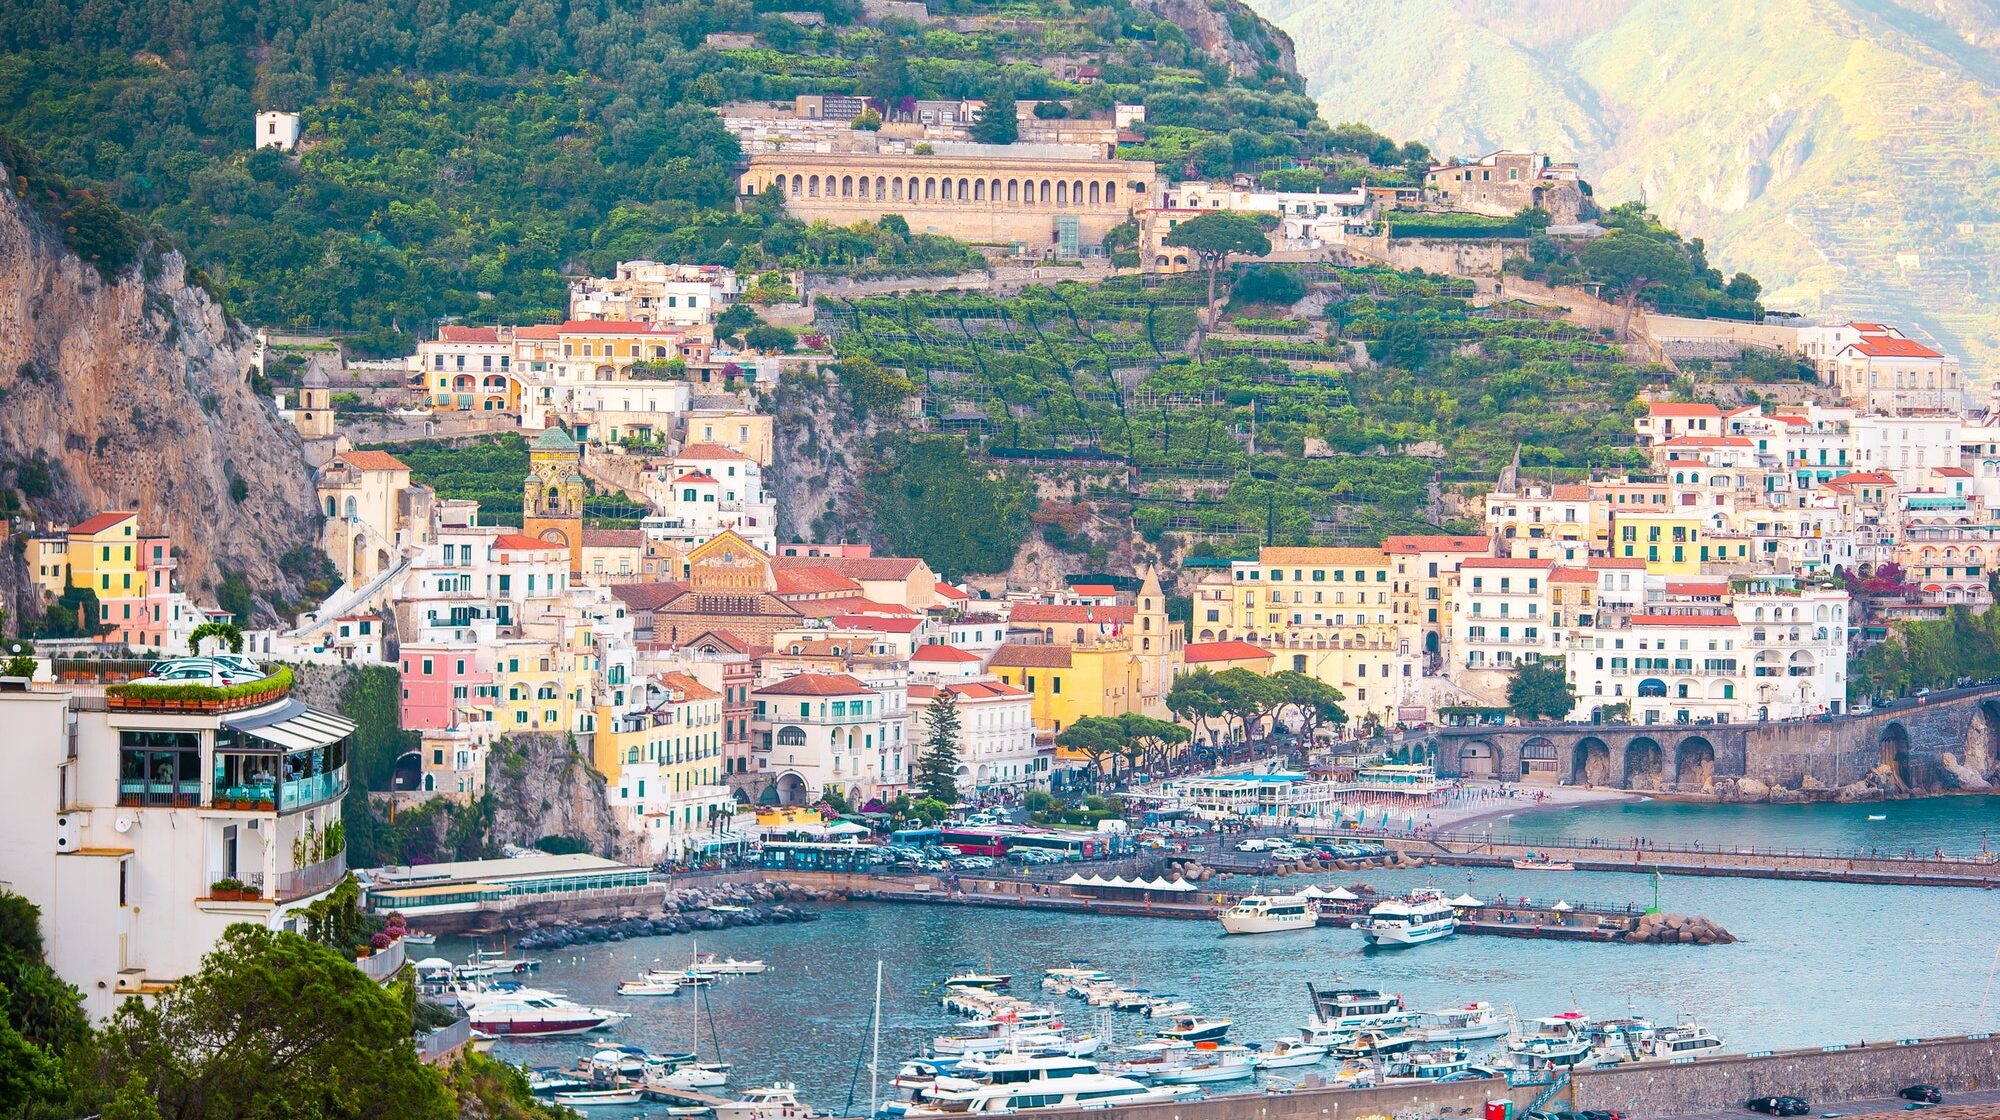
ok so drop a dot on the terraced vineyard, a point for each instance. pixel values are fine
(1401, 382)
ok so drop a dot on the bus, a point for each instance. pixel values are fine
(914, 837)
(778, 855)
(1070, 845)
(975, 841)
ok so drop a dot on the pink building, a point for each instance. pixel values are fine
(440, 680)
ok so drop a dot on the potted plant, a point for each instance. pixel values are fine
(226, 889)
(266, 804)
(252, 892)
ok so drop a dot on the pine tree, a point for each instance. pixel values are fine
(937, 765)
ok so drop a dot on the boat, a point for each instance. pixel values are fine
(589, 1097)
(650, 985)
(548, 1079)
(412, 937)
(1133, 1001)
(1269, 914)
(685, 977)
(1461, 1024)
(1429, 1065)
(1093, 1091)
(1194, 1028)
(976, 979)
(1166, 1007)
(1558, 1042)
(693, 1075)
(1682, 1040)
(1287, 1053)
(1543, 863)
(496, 966)
(705, 964)
(1421, 917)
(1070, 980)
(1340, 1012)
(779, 1101)
(525, 1012)
(1878, 816)
(1200, 1068)
(1373, 1044)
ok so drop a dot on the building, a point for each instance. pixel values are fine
(1501, 184)
(132, 576)
(665, 765)
(552, 494)
(1307, 220)
(1066, 683)
(139, 825)
(651, 292)
(1874, 366)
(996, 733)
(1052, 199)
(746, 433)
(469, 369)
(817, 732)
(375, 516)
(278, 130)
(1325, 612)
(456, 888)
(707, 488)
(1220, 657)
(314, 416)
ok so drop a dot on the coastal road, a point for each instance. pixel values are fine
(1985, 1103)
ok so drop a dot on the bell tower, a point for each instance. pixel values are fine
(552, 494)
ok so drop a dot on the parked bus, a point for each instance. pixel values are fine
(975, 841)
(914, 837)
(820, 856)
(1072, 845)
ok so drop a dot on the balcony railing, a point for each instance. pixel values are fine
(312, 879)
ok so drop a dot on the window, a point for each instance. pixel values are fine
(159, 767)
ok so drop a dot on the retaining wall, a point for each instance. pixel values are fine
(1464, 1098)
(1862, 1070)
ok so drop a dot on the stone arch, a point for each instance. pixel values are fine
(993, 192)
(1694, 762)
(790, 788)
(1590, 762)
(1540, 760)
(1047, 191)
(812, 186)
(847, 186)
(1895, 743)
(1644, 762)
(1013, 190)
(798, 185)
(930, 189)
(407, 771)
(1476, 759)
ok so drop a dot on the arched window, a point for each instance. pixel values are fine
(1062, 194)
(791, 737)
(993, 193)
(1110, 194)
(1076, 194)
(798, 185)
(812, 187)
(930, 190)
(963, 187)
(352, 510)
(979, 190)
(847, 186)
(1046, 192)
(1093, 194)
(944, 190)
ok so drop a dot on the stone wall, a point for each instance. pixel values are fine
(1465, 1098)
(1455, 258)
(1769, 336)
(1859, 1071)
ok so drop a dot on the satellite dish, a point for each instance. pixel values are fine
(123, 824)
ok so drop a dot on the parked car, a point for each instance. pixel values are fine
(1929, 1094)
(1254, 845)
(1778, 1106)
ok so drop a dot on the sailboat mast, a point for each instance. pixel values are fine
(875, 1057)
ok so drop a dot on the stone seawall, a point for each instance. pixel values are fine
(1860, 1070)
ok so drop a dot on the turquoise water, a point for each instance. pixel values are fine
(1816, 963)
(1958, 825)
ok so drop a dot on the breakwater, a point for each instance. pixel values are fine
(1470, 849)
(713, 906)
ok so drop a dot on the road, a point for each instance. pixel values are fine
(1957, 1106)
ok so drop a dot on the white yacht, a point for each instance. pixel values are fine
(650, 985)
(1461, 1024)
(775, 1102)
(1682, 1040)
(521, 1012)
(705, 964)
(1166, 1007)
(1286, 1053)
(1422, 916)
(1558, 1042)
(1204, 1067)
(1338, 1013)
(1270, 914)
(1069, 981)
(1430, 1065)
(1194, 1028)
(1091, 1090)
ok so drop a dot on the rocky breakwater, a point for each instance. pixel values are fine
(1675, 929)
(687, 910)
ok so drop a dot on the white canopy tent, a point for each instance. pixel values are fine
(1464, 900)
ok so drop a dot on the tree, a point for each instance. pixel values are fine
(771, 340)
(937, 763)
(875, 385)
(1629, 262)
(889, 80)
(1540, 690)
(1097, 738)
(1215, 237)
(997, 123)
(1153, 741)
(1247, 696)
(1195, 699)
(41, 1016)
(1314, 700)
(226, 634)
(272, 1025)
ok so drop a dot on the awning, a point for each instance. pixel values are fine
(292, 727)
(1464, 900)
(1562, 906)
(433, 964)
(1341, 894)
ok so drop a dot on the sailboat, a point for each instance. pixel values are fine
(698, 1074)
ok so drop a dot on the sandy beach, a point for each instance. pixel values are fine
(1475, 803)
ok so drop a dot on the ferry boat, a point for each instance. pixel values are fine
(775, 1102)
(1430, 1065)
(1339, 1012)
(1543, 863)
(1269, 914)
(1194, 1028)
(1286, 1053)
(525, 1012)
(1423, 916)
(1461, 1024)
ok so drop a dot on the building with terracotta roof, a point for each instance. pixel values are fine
(1325, 612)
(651, 292)
(468, 369)
(1220, 657)
(375, 515)
(665, 763)
(1664, 420)
(1877, 367)
(936, 662)
(1423, 580)
(815, 733)
(996, 733)
(131, 575)
(904, 580)
(706, 488)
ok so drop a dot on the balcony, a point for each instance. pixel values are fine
(312, 879)
(199, 698)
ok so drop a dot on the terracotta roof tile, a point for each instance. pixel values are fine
(1071, 612)
(648, 596)
(938, 653)
(372, 461)
(688, 687)
(468, 334)
(1684, 620)
(816, 684)
(1020, 655)
(100, 523)
(815, 580)
(1195, 653)
(1332, 557)
(1411, 546)
(521, 542)
(711, 451)
(1683, 409)
(857, 567)
(614, 538)
(1876, 346)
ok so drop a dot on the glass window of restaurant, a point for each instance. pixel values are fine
(159, 767)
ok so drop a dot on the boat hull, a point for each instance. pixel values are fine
(1396, 937)
(1266, 923)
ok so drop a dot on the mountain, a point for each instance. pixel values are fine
(1843, 151)
(122, 387)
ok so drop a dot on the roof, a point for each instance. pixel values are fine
(102, 522)
(1195, 653)
(947, 591)
(427, 874)
(943, 654)
(712, 451)
(553, 439)
(1707, 441)
(967, 690)
(1697, 587)
(878, 623)
(1570, 491)
(1092, 589)
(522, 542)
(847, 604)
(541, 332)
(695, 476)
(1684, 620)
(816, 684)
(856, 567)
(1864, 478)
(1410, 546)
(614, 538)
(1506, 562)
(372, 461)
(1069, 612)
(1284, 554)
(1572, 575)
(1021, 655)
(1682, 408)
(1881, 346)
(725, 638)
(1869, 328)
(648, 596)
(1952, 472)
(813, 581)
(688, 687)
(1617, 562)
(468, 334)
(614, 326)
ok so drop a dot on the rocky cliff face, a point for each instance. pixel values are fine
(133, 394)
(1230, 33)
(542, 786)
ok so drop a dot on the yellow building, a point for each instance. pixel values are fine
(746, 433)
(552, 495)
(681, 734)
(1068, 683)
(131, 575)
(1325, 612)
(1671, 544)
(541, 686)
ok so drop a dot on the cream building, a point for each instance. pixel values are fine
(374, 514)
(996, 733)
(651, 292)
(1325, 612)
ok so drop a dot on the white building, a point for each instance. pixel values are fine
(708, 488)
(1875, 366)
(996, 733)
(818, 731)
(651, 292)
(278, 130)
(1501, 614)
(122, 817)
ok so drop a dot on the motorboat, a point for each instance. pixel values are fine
(1420, 917)
(1166, 1007)
(1558, 1042)
(705, 964)
(1429, 1065)
(976, 1072)
(1093, 1091)
(693, 1075)
(1111, 997)
(522, 1012)
(1133, 1001)
(1069, 980)
(1207, 1067)
(1534, 862)
(650, 985)
(1461, 1024)
(1195, 1028)
(1374, 1044)
(1682, 1040)
(1621, 1040)
(548, 1079)
(589, 1097)
(1285, 1053)
(1019, 1037)
(1269, 914)
(977, 979)
(1339, 1012)
(412, 937)
(484, 966)
(779, 1101)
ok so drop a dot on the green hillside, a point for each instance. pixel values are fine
(1843, 150)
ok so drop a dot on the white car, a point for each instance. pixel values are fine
(1255, 845)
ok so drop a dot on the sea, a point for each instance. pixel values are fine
(1815, 963)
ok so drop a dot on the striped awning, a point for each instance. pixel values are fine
(292, 726)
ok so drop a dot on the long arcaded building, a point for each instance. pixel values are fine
(989, 193)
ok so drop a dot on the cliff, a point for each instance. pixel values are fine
(131, 392)
(1230, 33)
(541, 785)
